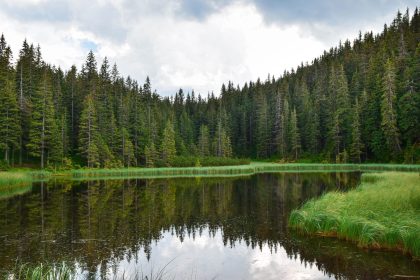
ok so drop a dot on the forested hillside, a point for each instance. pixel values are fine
(357, 102)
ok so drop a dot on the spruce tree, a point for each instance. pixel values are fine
(168, 149)
(262, 126)
(356, 143)
(388, 109)
(43, 129)
(339, 109)
(151, 155)
(128, 151)
(88, 133)
(9, 119)
(204, 141)
(9, 111)
(294, 134)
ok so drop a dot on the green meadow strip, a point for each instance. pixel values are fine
(383, 212)
(10, 178)
(238, 170)
(14, 183)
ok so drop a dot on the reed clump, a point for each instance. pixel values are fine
(14, 183)
(43, 272)
(382, 212)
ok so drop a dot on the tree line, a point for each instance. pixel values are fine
(357, 102)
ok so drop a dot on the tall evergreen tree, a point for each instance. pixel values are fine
(9, 111)
(294, 134)
(356, 144)
(88, 133)
(43, 129)
(204, 141)
(388, 109)
(168, 149)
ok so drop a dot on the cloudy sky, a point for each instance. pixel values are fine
(193, 44)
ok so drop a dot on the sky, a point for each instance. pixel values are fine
(192, 44)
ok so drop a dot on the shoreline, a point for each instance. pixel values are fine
(381, 213)
(209, 171)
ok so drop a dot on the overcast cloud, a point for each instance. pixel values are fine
(191, 44)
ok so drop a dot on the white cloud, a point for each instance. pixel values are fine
(232, 42)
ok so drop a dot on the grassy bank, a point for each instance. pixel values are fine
(238, 170)
(383, 212)
(231, 170)
(14, 183)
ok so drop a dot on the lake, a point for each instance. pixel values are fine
(185, 228)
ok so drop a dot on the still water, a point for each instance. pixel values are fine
(189, 228)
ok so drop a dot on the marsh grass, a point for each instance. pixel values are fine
(253, 168)
(383, 212)
(43, 272)
(14, 183)
(65, 272)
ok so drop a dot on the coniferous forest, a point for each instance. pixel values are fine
(357, 102)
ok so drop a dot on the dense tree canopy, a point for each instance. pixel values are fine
(358, 102)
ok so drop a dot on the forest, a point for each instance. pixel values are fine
(357, 102)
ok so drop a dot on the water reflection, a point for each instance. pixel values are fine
(228, 228)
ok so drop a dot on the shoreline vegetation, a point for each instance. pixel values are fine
(383, 212)
(18, 181)
(16, 176)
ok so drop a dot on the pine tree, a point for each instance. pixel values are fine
(9, 110)
(151, 155)
(388, 109)
(278, 125)
(55, 145)
(26, 82)
(409, 106)
(339, 109)
(227, 146)
(262, 126)
(356, 144)
(43, 128)
(294, 134)
(9, 120)
(204, 141)
(128, 151)
(168, 149)
(285, 117)
(88, 133)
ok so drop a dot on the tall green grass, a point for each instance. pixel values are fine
(43, 272)
(65, 272)
(249, 169)
(383, 212)
(231, 170)
(14, 183)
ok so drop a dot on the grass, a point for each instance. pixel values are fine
(64, 272)
(14, 183)
(237, 170)
(43, 272)
(230, 170)
(383, 212)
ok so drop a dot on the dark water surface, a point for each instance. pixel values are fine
(201, 228)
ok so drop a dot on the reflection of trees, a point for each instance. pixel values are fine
(101, 222)
(345, 261)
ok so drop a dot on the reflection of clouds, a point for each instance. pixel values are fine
(205, 257)
(266, 265)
